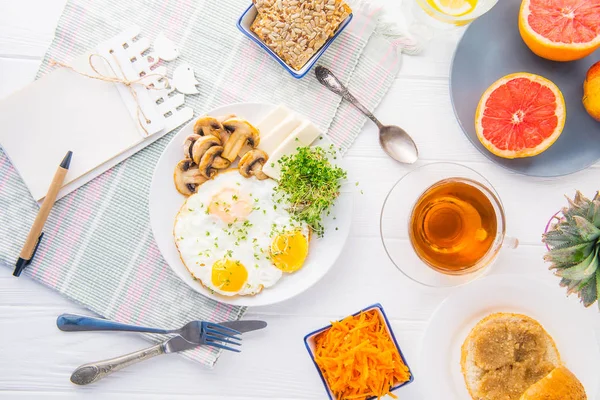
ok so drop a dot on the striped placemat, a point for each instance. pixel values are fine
(98, 248)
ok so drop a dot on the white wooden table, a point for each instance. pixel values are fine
(36, 359)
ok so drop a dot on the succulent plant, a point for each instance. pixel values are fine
(575, 246)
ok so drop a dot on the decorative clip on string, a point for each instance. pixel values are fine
(127, 61)
(144, 118)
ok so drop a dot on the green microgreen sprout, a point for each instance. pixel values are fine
(310, 184)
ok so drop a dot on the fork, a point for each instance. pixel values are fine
(197, 332)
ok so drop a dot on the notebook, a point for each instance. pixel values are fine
(98, 120)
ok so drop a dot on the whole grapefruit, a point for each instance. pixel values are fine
(560, 30)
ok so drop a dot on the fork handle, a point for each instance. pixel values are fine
(93, 372)
(78, 323)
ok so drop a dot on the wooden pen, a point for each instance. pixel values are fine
(35, 233)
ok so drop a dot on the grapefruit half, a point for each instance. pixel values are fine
(520, 115)
(560, 30)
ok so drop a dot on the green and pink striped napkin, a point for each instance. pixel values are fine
(98, 248)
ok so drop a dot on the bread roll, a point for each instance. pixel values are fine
(560, 384)
(504, 354)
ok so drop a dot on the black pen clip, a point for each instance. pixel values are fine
(22, 263)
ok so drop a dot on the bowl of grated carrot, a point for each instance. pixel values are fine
(358, 357)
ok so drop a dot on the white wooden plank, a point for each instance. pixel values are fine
(363, 260)
(284, 373)
(422, 107)
(434, 61)
(27, 26)
(46, 362)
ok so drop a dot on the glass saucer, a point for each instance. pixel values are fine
(395, 217)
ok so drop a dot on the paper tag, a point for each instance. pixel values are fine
(130, 58)
(164, 108)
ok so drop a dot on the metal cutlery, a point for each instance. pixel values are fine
(393, 140)
(197, 332)
(93, 372)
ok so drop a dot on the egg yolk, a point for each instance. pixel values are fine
(289, 251)
(229, 275)
(230, 206)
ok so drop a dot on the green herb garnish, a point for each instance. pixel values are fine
(310, 183)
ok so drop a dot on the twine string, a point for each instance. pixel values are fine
(115, 78)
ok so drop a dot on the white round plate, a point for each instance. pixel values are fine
(564, 320)
(165, 202)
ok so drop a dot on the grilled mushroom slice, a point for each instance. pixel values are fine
(189, 144)
(201, 145)
(187, 177)
(224, 134)
(242, 132)
(208, 160)
(252, 163)
(209, 126)
(245, 148)
(220, 163)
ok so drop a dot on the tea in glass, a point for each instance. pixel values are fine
(453, 226)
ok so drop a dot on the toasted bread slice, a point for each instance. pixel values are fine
(560, 384)
(504, 354)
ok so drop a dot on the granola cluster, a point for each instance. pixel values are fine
(295, 30)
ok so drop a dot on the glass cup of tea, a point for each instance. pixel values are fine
(455, 220)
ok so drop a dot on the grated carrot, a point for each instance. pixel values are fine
(359, 359)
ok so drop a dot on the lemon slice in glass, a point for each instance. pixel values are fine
(453, 7)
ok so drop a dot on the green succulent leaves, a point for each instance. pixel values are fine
(574, 244)
(582, 271)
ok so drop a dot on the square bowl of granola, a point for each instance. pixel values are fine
(295, 33)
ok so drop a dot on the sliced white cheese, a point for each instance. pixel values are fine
(272, 119)
(303, 135)
(272, 140)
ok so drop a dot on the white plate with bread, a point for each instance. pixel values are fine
(243, 264)
(510, 338)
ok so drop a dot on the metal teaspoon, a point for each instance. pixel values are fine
(393, 139)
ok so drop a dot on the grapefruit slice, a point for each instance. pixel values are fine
(520, 115)
(560, 30)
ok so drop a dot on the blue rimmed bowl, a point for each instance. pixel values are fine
(310, 343)
(248, 17)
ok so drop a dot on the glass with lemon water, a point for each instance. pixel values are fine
(447, 13)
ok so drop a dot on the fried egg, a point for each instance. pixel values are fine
(235, 238)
